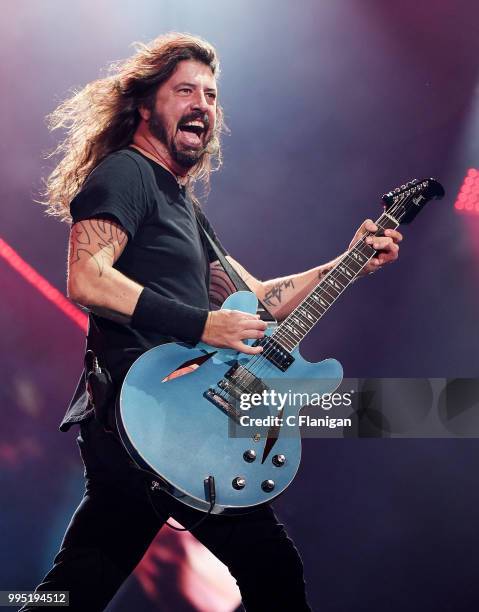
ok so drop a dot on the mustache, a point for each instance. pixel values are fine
(195, 116)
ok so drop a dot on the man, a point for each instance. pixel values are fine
(137, 142)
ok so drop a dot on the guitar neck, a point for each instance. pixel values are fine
(304, 317)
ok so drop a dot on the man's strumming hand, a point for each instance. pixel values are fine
(228, 328)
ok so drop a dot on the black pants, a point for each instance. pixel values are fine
(115, 523)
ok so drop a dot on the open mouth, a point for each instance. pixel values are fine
(192, 132)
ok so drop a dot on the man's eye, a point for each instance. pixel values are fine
(186, 89)
(211, 96)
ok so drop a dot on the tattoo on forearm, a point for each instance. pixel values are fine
(98, 239)
(274, 295)
(220, 286)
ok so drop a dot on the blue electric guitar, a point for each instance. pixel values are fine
(181, 409)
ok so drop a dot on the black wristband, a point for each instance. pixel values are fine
(169, 317)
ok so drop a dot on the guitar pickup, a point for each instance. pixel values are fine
(275, 353)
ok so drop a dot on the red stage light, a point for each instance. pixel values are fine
(42, 285)
(468, 197)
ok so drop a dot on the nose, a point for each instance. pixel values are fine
(199, 103)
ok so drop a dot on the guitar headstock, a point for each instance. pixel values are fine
(406, 201)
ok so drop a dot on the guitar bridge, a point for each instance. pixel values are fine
(237, 382)
(223, 404)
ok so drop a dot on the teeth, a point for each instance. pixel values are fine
(195, 124)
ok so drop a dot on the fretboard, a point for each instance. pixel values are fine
(305, 316)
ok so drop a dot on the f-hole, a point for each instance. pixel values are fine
(188, 367)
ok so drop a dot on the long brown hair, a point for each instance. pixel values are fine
(103, 116)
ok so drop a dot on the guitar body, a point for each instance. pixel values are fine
(178, 404)
(170, 427)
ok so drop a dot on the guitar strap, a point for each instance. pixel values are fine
(234, 277)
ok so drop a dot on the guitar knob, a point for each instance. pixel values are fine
(249, 455)
(279, 460)
(267, 485)
(239, 483)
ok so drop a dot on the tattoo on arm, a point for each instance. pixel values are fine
(220, 285)
(325, 269)
(99, 239)
(274, 295)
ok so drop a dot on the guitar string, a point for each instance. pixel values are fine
(334, 274)
(257, 366)
(261, 360)
(399, 201)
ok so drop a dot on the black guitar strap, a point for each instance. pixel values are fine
(234, 277)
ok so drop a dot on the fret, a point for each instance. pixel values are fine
(296, 319)
(324, 303)
(354, 262)
(345, 270)
(288, 331)
(317, 310)
(315, 304)
(364, 249)
(358, 257)
(386, 222)
(291, 329)
(331, 290)
(333, 281)
(295, 327)
(309, 316)
(327, 292)
(341, 277)
(323, 297)
(288, 341)
(302, 312)
(287, 344)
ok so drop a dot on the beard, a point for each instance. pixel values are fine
(186, 158)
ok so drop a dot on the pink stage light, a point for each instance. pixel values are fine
(41, 284)
(468, 197)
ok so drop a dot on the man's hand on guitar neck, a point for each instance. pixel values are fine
(387, 245)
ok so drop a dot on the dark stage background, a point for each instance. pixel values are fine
(330, 104)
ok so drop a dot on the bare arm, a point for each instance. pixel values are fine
(282, 295)
(95, 245)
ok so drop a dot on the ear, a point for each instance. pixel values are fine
(145, 113)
